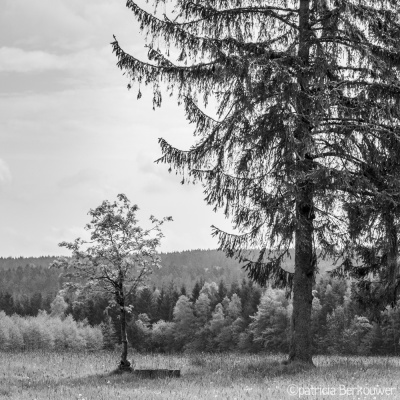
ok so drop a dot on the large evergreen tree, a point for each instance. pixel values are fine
(302, 86)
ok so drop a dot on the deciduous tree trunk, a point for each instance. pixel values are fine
(125, 365)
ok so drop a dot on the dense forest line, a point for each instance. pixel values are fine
(210, 317)
(199, 300)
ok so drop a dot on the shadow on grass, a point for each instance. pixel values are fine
(114, 378)
(275, 368)
(233, 369)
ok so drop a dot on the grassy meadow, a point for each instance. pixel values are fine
(84, 376)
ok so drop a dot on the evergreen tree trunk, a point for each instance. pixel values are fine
(301, 340)
(392, 254)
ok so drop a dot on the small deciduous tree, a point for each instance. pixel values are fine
(184, 322)
(58, 307)
(271, 322)
(119, 256)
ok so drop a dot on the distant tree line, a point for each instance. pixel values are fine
(23, 278)
(26, 276)
(25, 305)
(208, 317)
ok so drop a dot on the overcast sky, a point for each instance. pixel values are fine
(72, 135)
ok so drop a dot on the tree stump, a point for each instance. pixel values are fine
(125, 366)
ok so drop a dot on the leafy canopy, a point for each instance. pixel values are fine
(120, 254)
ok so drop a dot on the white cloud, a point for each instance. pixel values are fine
(5, 173)
(67, 234)
(18, 60)
(82, 177)
(14, 59)
(57, 23)
(63, 25)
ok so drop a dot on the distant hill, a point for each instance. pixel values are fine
(27, 275)
(13, 263)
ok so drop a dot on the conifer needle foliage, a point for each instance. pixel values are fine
(306, 91)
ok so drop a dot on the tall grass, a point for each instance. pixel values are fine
(83, 375)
